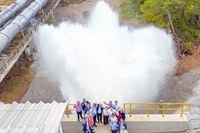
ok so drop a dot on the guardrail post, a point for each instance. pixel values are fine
(67, 112)
(130, 110)
(163, 110)
(182, 108)
(189, 106)
(148, 110)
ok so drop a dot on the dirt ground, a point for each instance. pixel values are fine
(5, 3)
(189, 62)
(17, 82)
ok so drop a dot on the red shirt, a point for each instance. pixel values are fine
(119, 117)
(90, 121)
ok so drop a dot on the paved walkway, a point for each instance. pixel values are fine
(101, 128)
(141, 123)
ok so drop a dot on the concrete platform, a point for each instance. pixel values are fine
(70, 125)
(157, 123)
(136, 124)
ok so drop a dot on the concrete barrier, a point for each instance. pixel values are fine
(156, 123)
(136, 124)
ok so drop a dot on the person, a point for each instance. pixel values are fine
(93, 112)
(78, 110)
(116, 106)
(111, 111)
(123, 114)
(87, 108)
(105, 115)
(91, 123)
(113, 118)
(122, 124)
(123, 130)
(119, 117)
(99, 112)
(87, 114)
(113, 127)
(85, 125)
(109, 104)
(84, 104)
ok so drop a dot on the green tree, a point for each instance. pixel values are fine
(179, 16)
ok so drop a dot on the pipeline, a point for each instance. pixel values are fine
(23, 19)
(11, 10)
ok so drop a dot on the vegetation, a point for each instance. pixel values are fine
(14, 88)
(68, 1)
(181, 17)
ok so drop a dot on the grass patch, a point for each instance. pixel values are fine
(126, 10)
(68, 1)
(14, 88)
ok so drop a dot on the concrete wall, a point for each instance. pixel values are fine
(156, 123)
(156, 126)
(136, 124)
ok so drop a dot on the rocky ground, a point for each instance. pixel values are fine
(41, 89)
(189, 62)
(185, 88)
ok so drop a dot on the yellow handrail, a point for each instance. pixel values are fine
(149, 106)
(152, 106)
(68, 110)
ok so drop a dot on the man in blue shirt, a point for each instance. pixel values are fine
(84, 105)
(94, 113)
(85, 125)
(109, 104)
(122, 124)
(113, 127)
(116, 106)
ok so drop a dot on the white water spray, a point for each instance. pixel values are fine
(103, 60)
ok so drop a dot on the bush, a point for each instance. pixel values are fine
(127, 10)
(187, 47)
(181, 15)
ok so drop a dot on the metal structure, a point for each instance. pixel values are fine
(31, 117)
(22, 20)
(151, 106)
(11, 10)
(69, 108)
(10, 56)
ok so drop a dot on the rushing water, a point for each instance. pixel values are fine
(102, 60)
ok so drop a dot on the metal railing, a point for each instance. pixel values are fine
(146, 106)
(10, 59)
(151, 106)
(69, 108)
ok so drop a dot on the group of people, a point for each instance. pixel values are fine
(108, 114)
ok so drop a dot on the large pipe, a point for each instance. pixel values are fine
(11, 10)
(11, 30)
